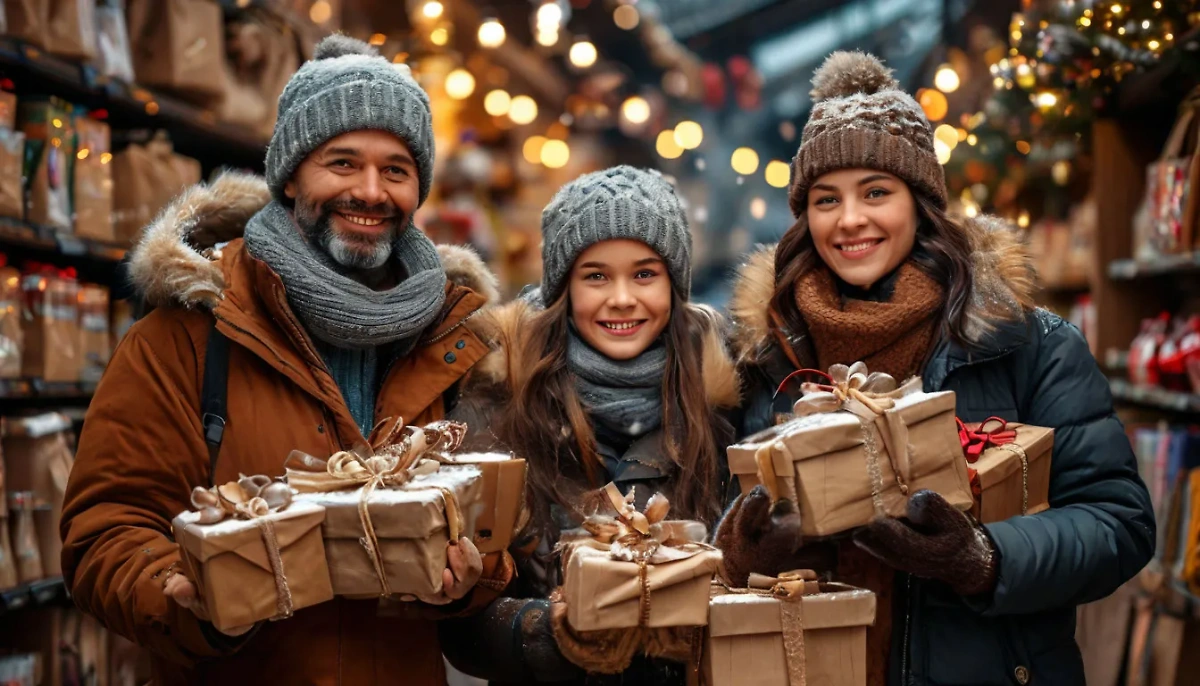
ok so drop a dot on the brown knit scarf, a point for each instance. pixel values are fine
(892, 337)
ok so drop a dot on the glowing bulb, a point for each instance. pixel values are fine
(689, 135)
(583, 54)
(972, 139)
(1023, 147)
(1085, 22)
(549, 16)
(439, 36)
(1061, 172)
(532, 150)
(1117, 9)
(778, 174)
(636, 110)
(943, 151)
(1153, 45)
(934, 104)
(432, 9)
(1046, 100)
(105, 157)
(320, 12)
(1023, 219)
(946, 134)
(491, 34)
(497, 102)
(460, 84)
(626, 17)
(744, 161)
(377, 39)
(556, 154)
(666, 146)
(758, 208)
(547, 38)
(946, 79)
(523, 110)
(82, 154)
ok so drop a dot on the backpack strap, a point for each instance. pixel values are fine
(213, 396)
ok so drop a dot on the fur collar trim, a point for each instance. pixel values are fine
(175, 262)
(1003, 288)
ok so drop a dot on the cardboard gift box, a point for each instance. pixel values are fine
(1009, 468)
(257, 562)
(813, 639)
(392, 508)
(502, 495)
(851, 456)
(637, 570)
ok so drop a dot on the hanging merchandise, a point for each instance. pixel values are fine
(71, 30)
(179, 45)
(113, 56)
(49, 161)
(1171, 182)
(93, 184)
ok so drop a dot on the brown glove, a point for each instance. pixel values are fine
(938, 542)
(755, 536)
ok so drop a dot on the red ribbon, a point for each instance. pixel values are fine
(993, 432)
(798, 372)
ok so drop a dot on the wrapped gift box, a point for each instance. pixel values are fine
(746, 640)
(823, 462)
(411, 524)
(1014, 476)
(231, 565)
(502, 496)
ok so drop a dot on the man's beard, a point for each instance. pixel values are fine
(354, 251)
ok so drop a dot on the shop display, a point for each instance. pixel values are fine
(51, 328)
(9, 576)
(12, 336)
(883, 442)
(71, 30)
(390, 509)
(93, 181)
(179, 46)
(26, 549)
(113, 56)
(1171, 200)
(95, 337)
(12, 160)
(37, 458)
(28, 20)
(1009, 468)
(253, 553)
(788, 631)
(145, 178)
(637, 569)
(49, 162)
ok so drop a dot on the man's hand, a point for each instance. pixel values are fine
(180, 589)
(464, 567)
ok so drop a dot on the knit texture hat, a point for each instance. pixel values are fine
(861, 118)
(347, 86)
(620, 202)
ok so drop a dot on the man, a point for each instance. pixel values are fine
(336, 312)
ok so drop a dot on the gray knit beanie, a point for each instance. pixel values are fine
(345, 87)
(862, 118)
(620, 202)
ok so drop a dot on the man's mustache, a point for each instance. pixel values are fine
(382, 210)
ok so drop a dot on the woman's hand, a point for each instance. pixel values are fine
(756, 536)
(938, 542)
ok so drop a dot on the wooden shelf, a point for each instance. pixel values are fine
(27, 394)
(18, 235)
(42, 593)
(1127, 270)
(1154, 398)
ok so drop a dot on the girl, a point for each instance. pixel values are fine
(875, 270)
(607, 373)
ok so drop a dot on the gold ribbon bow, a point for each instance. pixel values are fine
(864, 394)
(252, 498)
(395, 454)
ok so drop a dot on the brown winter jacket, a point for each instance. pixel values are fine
(142, 451)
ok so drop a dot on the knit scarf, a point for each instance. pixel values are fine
(892, 336)
(337, 309)
(625, 396)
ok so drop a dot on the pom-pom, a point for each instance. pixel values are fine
(339, 45)
(846, 73)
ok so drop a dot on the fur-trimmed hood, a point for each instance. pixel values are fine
(1003, 288)
(502, 327)
(175, 261)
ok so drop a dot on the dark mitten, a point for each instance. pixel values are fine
(599, 652)
(755, 536)
(937, 542)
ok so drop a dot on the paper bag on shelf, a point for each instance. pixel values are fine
(12, 176)
(859, 447)
(780, 636)
(93, 192)
(71, 31)
(95, 338)
(1008, 467)
(12, 337)
(179, 45)
(49, 162)
(28, 20)
(51, 329)
(391, 510)
(637, 570)
(253, 554)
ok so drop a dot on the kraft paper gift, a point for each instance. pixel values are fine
(253, 554)
(859, 447)
(782, 637)
(1009, 468)
(638, 571)
(391, 510)
(502, 496)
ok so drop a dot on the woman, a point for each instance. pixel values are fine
(875, 270)
(607, 374)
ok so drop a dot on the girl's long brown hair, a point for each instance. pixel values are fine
(547, 424)
(942, 250)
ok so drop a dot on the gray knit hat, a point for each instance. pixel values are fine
(345, 87)
(621, 202)
(862, 118)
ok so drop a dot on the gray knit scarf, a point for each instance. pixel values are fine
(623, 395)
(337, 309)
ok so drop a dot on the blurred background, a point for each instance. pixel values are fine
(1074, 120)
